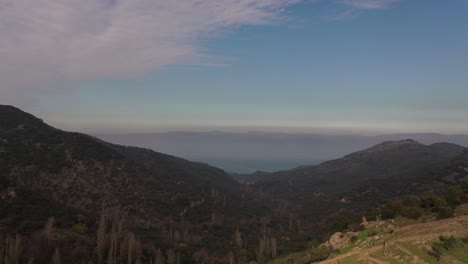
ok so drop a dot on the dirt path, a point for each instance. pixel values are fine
(419, 233)
(376, 261)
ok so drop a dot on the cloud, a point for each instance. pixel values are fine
(51, 43)
(352, 8)
(368, 4)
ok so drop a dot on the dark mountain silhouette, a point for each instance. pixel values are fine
(192, 208)
(366, 178)
(82, 172)
(86, 173)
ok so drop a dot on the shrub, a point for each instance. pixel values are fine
(455, 195)
(465, 240)
(435, 252)
(388, 212)
(444, 212)
(412, 200)
(373, 214)
(80, 229)
(319, 253)
(428, 200)
(447, 242)
(411, 212)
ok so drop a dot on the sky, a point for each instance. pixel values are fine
(328, 66)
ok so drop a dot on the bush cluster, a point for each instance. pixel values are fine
(414, 206)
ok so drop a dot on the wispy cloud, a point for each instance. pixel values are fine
(47, 43)
(52, 44)
(353, 8)
(368, 4)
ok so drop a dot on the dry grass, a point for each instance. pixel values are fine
(407, 243)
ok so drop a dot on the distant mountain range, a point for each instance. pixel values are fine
(263, 151)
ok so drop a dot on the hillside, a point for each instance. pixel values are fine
(425, 228)
(366, 178)
(86, 173)
(46, 172)
(384, 242)
(90, 193)
(418, 243)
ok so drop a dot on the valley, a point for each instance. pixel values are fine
(233, 132)
(105, 203)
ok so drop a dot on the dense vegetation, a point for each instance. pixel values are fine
(71, 198)
(402, 212)
(416, 206)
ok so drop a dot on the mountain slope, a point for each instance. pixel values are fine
(158, 200)
(366, 178)
(441, 241)
(192, 208)
(85, 173)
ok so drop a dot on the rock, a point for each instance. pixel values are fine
(338, 241)
(364, 222)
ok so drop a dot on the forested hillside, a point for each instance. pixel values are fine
(71, 198)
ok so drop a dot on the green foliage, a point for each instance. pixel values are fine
(457, 194)
(30, 210)
(373, 214)
(464, 240)
(363, 235)
(319, 253)
(342, 220)
(80, 229)
(414, 207)
(444, 244)
(447, 242)
(410, 212)
(411, 201)
(388, 212)
(52, 170)
(445, 212)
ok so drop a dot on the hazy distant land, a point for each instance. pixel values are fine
(264, 151)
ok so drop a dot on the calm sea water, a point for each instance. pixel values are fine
(249, 166)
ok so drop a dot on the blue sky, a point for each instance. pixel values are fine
(357, 66)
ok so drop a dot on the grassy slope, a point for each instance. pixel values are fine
(407, 244)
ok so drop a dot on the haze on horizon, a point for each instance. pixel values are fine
(253, 151)
(322, 66)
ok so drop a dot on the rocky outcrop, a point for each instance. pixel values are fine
(338, 241)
